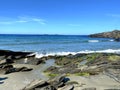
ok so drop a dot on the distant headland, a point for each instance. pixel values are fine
(112, 34)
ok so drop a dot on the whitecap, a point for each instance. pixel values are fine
(111, 40)
(93, 41)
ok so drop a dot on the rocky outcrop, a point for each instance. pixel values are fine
(7, 69)
(57, 83)
(113, 34)
(94, 64)
(113, 73)
(9, 57)
(13, 55)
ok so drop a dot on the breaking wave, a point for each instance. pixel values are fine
(93, 41)
(39, 55)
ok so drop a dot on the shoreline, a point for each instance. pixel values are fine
(114, 51)
(85, 69)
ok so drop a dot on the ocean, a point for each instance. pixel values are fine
(57, 44)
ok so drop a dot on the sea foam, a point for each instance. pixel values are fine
(111, 40)
(38, 55)
(93, 41)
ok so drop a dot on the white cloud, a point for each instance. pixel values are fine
(32, 19)
(74, 24)
(23, 19)
(41, 21)
(36, 19)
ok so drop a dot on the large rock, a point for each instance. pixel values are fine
(12, 54)
(8, 57)
(36, 84)
(52, 84)
(7, 69)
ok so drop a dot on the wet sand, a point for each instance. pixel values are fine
(100, 82)
(18, 80)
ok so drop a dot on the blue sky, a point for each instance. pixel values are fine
(59, 16)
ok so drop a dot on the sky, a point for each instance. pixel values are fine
(74, 17)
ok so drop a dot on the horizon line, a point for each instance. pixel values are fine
(42, 34)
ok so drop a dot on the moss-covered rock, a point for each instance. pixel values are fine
(95, 63)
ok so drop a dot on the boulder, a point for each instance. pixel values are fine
(13, 54)
(52, 84)
(67, 87)
(36, 84)
(23, 69)
(7, 69)
(59, 81)
(9, 61)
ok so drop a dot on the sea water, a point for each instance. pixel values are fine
(58, 44)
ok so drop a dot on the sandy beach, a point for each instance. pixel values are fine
(17, 81)
(100, 82)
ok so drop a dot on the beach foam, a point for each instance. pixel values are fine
(38, 55)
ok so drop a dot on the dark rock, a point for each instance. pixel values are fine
(9, 61)
(52, 84)
(39, 62)
(117, 39)
(13, 54)
(52, 69)
(114, 34)
(91, 88)
(29, 60)
(7, 69)
(20, 58)
(1, 80)
(59, 81)
(48, 87)
(23, 69)
(67, 87)
(36, 84)
(13, 57)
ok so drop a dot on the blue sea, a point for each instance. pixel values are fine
(57, 44)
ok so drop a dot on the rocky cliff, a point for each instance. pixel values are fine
(113, 34)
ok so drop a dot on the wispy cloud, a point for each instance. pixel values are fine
(74, 24)
(41, 21)
(6, 22)
(24, 19)
(114, 15)
(21, 21)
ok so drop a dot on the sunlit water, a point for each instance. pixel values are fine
(57, 44)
